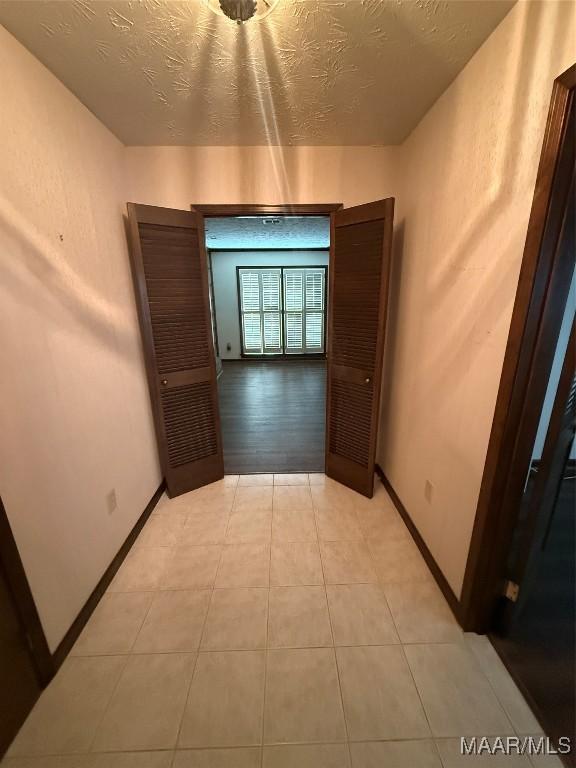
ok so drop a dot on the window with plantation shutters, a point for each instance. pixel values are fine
(294, 309)
(314, 318)
(271, 310)
(304, 308)
(282, 310)
(260, 310)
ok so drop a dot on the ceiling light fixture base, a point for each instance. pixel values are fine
(241, 11)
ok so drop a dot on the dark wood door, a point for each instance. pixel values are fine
(21, 677)
(543, 491)
(26, 664)
(534, 632)
(20, 686)
(360, 251)
(171, 282)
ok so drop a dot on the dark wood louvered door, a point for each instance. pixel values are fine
(360, 250)
(171, 282)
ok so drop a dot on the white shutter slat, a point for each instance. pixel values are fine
(293, 291)
(270, 290)
(314, 290)
(294, 330)
(314, 330)
(272, 336)
(250, 292)
(252, 330)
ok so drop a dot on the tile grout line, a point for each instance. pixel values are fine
(333, 639)
(124, 665)
(279, 648)
(209, 748)
(266, 649)
(432, 736)
(214, 748)
(179, 731)
(402, 646)
(137, 635)
(380, 585)
(201, 637)
(437, 751)
(267, 632)
(107, 707)
(224, 541)
(194, 667)
(493, 689)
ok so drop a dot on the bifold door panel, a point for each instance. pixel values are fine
(170, 277)
(359, 275)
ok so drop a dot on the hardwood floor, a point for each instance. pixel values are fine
(273, 415)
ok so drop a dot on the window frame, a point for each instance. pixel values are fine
(261, 311)
(283, 354)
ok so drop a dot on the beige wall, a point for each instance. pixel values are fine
(74, 411)
(178, 176)
(462, 213)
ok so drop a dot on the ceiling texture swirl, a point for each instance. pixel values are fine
(313, 72)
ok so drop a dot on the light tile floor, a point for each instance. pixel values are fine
(273, 622)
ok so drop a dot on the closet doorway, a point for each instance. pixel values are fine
(179, 319)
(268, 300)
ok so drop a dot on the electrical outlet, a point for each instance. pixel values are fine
(428, 491)
(111, 501)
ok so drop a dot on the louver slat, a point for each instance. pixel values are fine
(252, 332)
(314, 290)
(250, 293)
(175, 299)
(293, 331)
(359, 274)
(272, 332)
(351, 409)
(170, 277)
(314, 329)
(191, 435)
(270, 291)
(293, 291)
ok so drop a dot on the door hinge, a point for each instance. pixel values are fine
(511, 591)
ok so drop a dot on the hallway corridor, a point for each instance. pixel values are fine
(281, 621)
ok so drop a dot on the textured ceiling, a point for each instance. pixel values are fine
(268, 232)
(329, 72)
